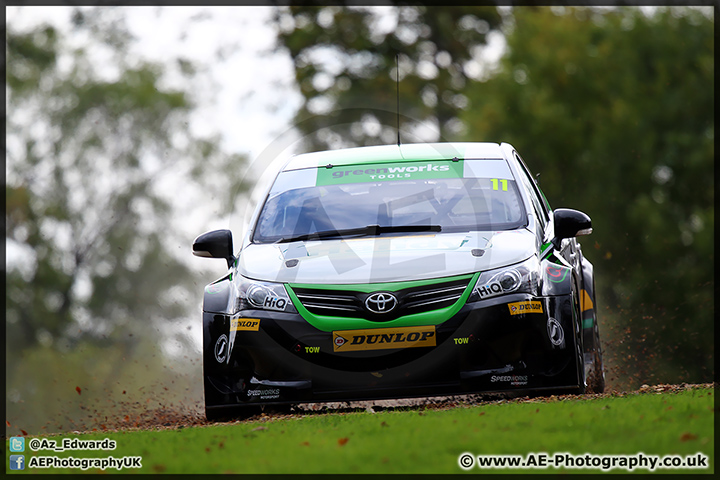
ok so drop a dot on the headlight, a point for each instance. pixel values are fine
(263, 296)
(518, 278)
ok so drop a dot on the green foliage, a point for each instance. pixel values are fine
(429, 441)
(615, 108)
(32, 54)
(345, 68)
(78, 188)
(99, 149)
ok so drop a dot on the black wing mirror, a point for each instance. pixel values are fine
(570, 223)
(215, 244)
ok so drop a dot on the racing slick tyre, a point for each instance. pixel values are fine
(595, 370)
(596, 375)
(580, 361)
(227, 414)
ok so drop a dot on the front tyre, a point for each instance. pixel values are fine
(580, 357)
(225, 414)
(596, 376)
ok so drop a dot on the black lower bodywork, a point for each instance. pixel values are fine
(482, 348)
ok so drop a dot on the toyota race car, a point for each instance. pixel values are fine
(400, 271)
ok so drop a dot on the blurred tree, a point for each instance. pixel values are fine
(345, 58)
(615, 108)
(97, 150)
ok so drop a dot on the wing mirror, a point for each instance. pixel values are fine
(570, 223)
(215, 244)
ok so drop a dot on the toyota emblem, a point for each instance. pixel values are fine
(381, 302)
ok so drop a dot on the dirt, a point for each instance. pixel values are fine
(171, 419)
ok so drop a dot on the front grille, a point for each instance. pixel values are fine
(351, 304)
(330, 302)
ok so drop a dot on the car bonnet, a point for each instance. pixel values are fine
(386, 258)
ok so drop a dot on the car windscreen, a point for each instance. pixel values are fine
(475, 195)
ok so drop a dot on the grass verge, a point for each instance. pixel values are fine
(418, 441)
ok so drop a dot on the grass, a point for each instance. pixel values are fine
(423, 441)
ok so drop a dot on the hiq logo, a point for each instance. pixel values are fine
(17, 444)
(275, 303)
(17, 462)
(489, 290)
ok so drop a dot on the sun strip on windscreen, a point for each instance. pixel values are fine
(420, 170)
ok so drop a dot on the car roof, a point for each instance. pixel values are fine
(396, 153)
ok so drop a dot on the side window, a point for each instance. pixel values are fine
(539, 201)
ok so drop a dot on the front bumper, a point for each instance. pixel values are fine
(486, 347)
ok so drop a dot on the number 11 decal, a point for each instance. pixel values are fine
(495, 184)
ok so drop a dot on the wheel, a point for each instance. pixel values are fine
(596, 376)
(580, 357)
(282, 409)
(232, 413)
(582, 385)
(595, 369)
(213, 415)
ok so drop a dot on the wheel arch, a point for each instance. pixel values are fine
(556, 279)
(588, 285)
(217, 296)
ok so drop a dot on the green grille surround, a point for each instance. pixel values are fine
(329, 323)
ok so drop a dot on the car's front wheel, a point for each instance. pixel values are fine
(596, 375)
(231, 413)
(580, 357)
